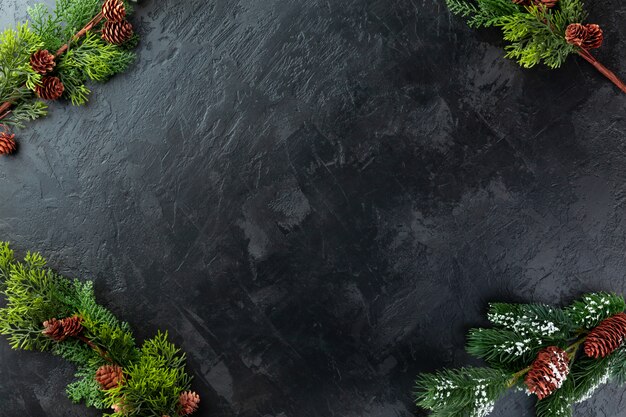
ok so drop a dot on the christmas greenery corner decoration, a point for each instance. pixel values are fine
(54, 54)
(46, 312)
(559, 355)
(538, 31)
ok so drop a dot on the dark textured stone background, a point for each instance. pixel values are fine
(318, 198)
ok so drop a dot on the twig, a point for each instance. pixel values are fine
(6, 106)
(604, 70)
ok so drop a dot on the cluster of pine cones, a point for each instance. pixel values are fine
(116, 29)
(583, 36)
(551, 366)
(109, 376)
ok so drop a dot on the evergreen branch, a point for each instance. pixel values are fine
(155, 379)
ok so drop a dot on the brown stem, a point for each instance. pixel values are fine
(604, 70)
(93, 22)
(6, 106)
(103, 353)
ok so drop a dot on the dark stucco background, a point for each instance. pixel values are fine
(318, 198)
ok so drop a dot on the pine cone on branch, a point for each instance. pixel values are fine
(606, 337)
(548, 371)
(51, 88)
(584, 36)
(114, 10)
(53, 328)
(42, 62)
(594, 37)
(189, 402)
(109, 376)
(7, 143)
(117, 32)
(72, 326)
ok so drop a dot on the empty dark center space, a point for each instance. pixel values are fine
(317, 199)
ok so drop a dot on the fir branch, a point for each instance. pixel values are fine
(591, 309)
(461, 392)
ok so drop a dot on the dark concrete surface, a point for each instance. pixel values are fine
(318, 198)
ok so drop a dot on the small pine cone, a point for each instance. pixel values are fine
(114, 10)
(51, 88)
(522, 2)
(42, 62)
(189, 402)
(547, 372)
(606, 337)
(53, 328)
(547, 3)
(72, 326)
(7, 143)
(594, 37)
(117, 32)
(575, 34)
(109, 376)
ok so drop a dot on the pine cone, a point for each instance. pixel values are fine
(575, 34)
(114, 10)
(7, 143)
(606, 337)
(53, 328)
(594, 37)
(547, 372)
(522, 2)
(72, 326)
(117, 32)
(548, 3)
(42, 62)
(189, 402)
(109, 376)
(585, 36)
(51, 88)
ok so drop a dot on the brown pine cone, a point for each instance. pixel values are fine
(72, 326)
(114, 10)
(42, 62)
(109, 376)
(606, 337)
(7, 143)
(594, 37)
(53, 328)
(189, 402)
(522, 2)
(548, 3)
(575, 34)
(51, 88)
(117, 32)
(547, 372)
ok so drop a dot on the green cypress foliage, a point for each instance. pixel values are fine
(535, 33)
(155, 374)
(87, 59)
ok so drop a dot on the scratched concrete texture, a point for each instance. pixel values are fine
(318, 198)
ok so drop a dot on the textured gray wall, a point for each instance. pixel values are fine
(318, 198)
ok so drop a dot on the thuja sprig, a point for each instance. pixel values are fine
(538, 31)
(47, 312)
(55, 54)
(559, 355)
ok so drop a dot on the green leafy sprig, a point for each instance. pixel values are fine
(154, 374)
(535, 30)
(510, 347)
(70, 31)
